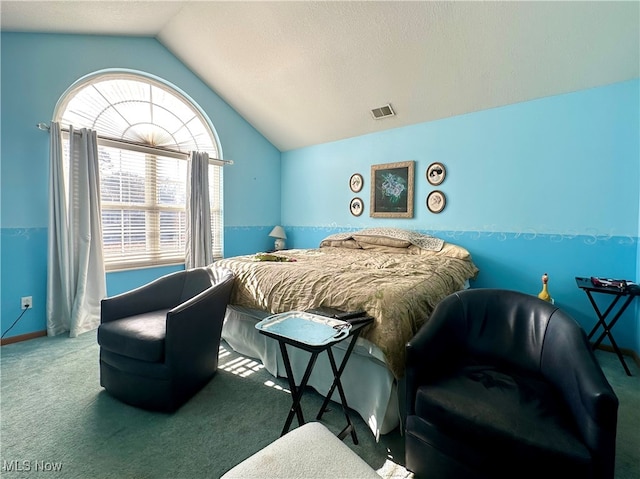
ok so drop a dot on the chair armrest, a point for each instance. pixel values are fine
(195, 325)
(435, 347)
(570, 364)
(162, 293)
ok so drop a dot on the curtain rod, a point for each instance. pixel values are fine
(44, 127)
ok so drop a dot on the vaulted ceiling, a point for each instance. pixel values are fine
(309, 72)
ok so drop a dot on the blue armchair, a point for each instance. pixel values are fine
(159, 343)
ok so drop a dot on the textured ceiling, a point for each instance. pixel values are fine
(308, 72)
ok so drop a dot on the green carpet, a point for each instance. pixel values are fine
(56, 420)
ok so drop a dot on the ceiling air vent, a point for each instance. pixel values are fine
(382, 112)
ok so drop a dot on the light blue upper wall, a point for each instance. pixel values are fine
(563, 164)
(36, 69)
(549, 185)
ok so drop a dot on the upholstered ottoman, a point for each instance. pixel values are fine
(309, 451)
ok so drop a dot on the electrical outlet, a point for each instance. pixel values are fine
(26, 302)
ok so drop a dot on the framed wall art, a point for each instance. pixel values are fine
(436, 173)
(356, 182)
(392, 190)
(356, 206)
(436, 201)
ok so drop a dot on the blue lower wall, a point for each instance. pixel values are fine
(24, 272)
(529, 256)
(241, 240)
(517, 261)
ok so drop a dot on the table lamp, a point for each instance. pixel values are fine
(278, 233)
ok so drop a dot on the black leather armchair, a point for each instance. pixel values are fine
(502, 384)
(159, 343)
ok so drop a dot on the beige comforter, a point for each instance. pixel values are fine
(398, 289)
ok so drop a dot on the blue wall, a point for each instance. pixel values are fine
(544, 186)
(36, 70)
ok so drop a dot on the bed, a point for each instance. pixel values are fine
(397, 276)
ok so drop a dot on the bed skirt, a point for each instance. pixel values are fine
(369, 385)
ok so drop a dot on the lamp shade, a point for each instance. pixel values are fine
(278, 232)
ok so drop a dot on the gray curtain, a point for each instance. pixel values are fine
(198, 245)
(75, 276)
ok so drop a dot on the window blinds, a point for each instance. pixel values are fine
(143, 202)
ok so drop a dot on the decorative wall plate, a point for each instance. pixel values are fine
(436, 201)
(356, 182)
(356, 207)
(436, 173)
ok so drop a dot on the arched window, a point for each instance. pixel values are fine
(146, 131)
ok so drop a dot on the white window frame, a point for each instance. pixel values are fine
(152, 255)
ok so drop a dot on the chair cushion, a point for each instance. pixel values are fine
(138, 337)
(503, 413)
(309, 451)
